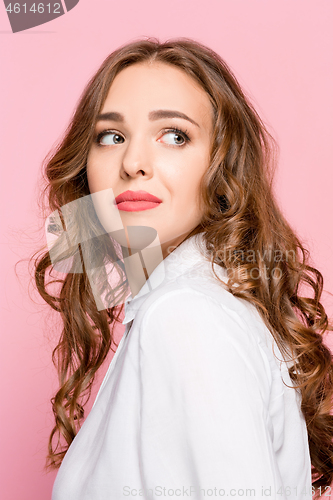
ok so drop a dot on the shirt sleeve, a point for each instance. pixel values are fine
(205, 429)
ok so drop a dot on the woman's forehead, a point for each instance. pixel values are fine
(158, 85)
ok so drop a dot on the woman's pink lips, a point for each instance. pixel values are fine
(136, 206)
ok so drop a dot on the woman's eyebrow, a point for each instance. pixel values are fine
(153, 115)
(111, 116)
(167, 113)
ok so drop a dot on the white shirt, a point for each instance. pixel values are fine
(193, 404)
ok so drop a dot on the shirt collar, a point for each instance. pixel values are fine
(182, 259)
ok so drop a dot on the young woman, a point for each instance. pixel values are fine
(221, 384)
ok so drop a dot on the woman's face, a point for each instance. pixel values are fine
(153, 134)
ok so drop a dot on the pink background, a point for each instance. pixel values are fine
(281, 52)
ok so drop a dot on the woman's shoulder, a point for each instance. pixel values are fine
(199, 308)
(198, 291)
(184, 323)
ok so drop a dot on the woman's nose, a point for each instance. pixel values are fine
(136, 158)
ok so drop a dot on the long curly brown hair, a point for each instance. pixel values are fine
(242, 226)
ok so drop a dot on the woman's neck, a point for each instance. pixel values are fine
(139, 264)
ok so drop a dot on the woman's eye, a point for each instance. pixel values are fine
(109, 138)
(175, 138)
